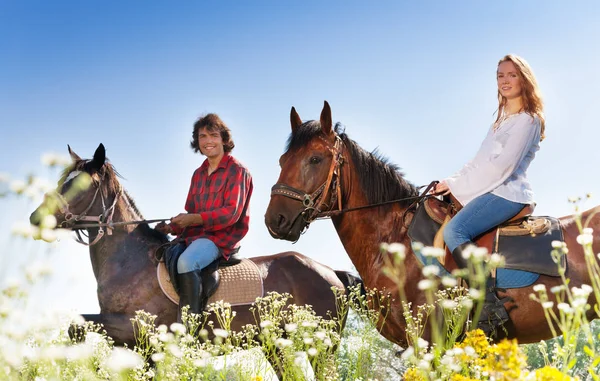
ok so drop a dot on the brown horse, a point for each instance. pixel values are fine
(322, 169)
(124, 262)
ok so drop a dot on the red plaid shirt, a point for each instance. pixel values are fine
(222, 199)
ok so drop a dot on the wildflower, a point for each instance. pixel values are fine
(422, 343)
(121, 359)
(449, 304)
(220, 332)
(175, 350)
(448, 281)
(178, 328)
(291, 327)
(17, 186)
(564, 307)
(312, 351)
(408, 353)
(426, 284)
(547, 305)
(162, 328)
(431, 270)
(308, 340)
(475, 293)
(496, 260)
(557, 289)
(320, 335)
(479, 253)
(539, 288)
(283, 343)
(327, 342)
(589, 231)
(417, 246)
(549, 373)
(413, 374)
(558, 244)
(585, 239)
(467, 303)
(158, 357)
(433, 252)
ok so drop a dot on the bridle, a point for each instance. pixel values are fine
(314, 203)
(104, 220)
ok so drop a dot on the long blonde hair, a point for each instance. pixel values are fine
(530, 92)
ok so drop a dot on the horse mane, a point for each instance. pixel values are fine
(380, 179)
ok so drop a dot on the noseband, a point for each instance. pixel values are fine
(104, 219)
(315, 205)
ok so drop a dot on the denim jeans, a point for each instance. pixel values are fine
(479, 216)
(199, 254)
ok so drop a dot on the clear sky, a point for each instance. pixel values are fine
(414, 79)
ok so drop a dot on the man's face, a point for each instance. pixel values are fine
(210, 143)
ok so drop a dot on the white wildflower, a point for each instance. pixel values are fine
(589, 231)
(417, 246)
(479, 253)
(557, 289)
(398, 249)
(449, 282)
(291, 327)
(433, 252)
(431, 270)
(158, 357)
(539, 288)
(327, 342)
(265, 324)
(17, 186)
(122, 359)
(48, 222)
(162, 328)
(585, 239)
(470, 351)
(175, 350)
(547, 305)
(320, 335)
(283, 343)
(312, 352)
(178, 328)
(449, 304)
(467, 303)
(496, 260)
(564, 307)
(308, 340)
(422, 343)
(475, 293)
(220, 332)
(557, 244)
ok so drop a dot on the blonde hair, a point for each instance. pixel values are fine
(530, 92)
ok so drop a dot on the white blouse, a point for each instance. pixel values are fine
(501, 163)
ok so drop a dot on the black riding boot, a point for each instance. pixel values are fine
(493, 313)
(457, 255)
(190, 292)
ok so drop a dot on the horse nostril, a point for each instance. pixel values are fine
(281, 222)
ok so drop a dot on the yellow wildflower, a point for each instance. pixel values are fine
(549, 373)
(458, 377)
(506, 360)
(413, 374)
(478, 341)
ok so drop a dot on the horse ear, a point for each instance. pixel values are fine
(326, 123)
(74, 156)
(99, 158)
(295, 119)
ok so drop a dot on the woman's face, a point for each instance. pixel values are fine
(509, 81)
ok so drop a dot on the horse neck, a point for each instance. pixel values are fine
(113, 245)
(363, 231)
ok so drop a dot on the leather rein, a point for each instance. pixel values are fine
(314, 203)
(102, 221)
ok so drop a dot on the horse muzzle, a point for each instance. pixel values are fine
(281, 227)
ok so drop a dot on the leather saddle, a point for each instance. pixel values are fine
(524, 240)
(210, 274)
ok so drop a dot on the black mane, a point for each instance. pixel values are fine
(380, 179)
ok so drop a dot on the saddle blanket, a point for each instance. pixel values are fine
(240, 284)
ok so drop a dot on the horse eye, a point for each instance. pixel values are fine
(315, 160)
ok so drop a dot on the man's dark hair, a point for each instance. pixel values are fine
(212, 122)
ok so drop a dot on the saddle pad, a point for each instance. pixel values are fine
(240, 284)
(505, 278)
(531, 253)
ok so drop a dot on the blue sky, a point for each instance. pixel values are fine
(414, 79)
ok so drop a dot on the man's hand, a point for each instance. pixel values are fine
(163, 227)
(184, 220)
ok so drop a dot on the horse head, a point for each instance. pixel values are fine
(307, 183)
(86, 192)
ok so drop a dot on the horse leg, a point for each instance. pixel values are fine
(117, 326)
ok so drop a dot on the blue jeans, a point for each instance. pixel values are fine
(199, 254)
(479, 216)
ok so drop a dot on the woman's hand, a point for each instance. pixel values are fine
(183, 220)
(441, 188)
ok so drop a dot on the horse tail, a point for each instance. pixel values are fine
(351, 280)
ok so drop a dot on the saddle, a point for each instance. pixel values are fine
(210, 274)
(524, 240)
